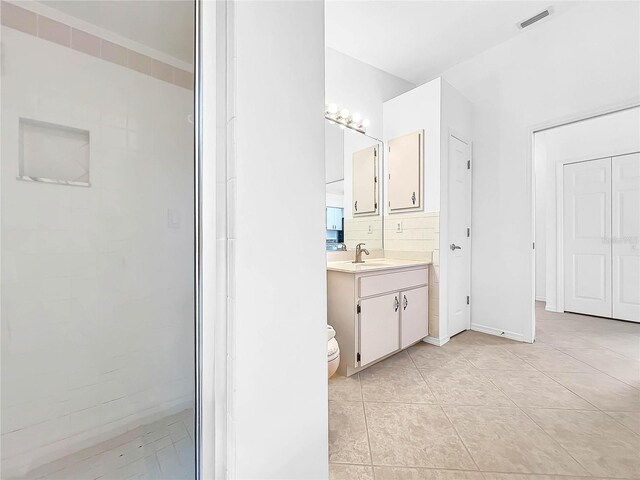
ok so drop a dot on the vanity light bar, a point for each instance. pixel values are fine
(345, 118)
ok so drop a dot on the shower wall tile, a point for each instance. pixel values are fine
(85, 42)
(26, 21)
(54, 31)
(19, 18)
(97, 290)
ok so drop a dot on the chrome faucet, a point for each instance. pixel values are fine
(359, 252)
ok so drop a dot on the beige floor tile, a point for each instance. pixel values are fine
(350, 472)
(400, 359)
(601, 390)
(625, 344)
(526, 476)
(348, 441)
(431, 357)
(345, 389)
(506, 440)
(496, 358)
(471, 337)
(464, 386)
(564, 340)
(404, 473)
(395, 384)
(535, 389)
(631, 420)
(622, 368)
(547, 359)
(415, 436)
(601, 445)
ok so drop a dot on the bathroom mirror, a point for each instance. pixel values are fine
(354, 166)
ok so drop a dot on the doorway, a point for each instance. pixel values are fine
(574, 241)
(600, 219)
(459, 234)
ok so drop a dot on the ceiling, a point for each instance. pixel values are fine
(418, 40)
(164, 25)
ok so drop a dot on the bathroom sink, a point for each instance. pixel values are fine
(373, 264)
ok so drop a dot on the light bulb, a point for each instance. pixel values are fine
(365, 122)
(356, 118)
(332, 108)
(344, 113)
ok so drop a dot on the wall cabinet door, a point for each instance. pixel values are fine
(414, 316)
(365, 181)
(379, 327)
(337, 218)
(405, 172)
(334, 218)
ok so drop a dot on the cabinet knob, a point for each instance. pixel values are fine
(406, 302)
(413, 198)
(396, 304)
(355, 206)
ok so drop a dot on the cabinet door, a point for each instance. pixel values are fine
(337, 218)
(405, 172)
(365, 181)
(414, 316)
(329, 218)
(379, 327)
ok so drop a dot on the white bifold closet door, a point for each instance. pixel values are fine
(625, 223)
(600, 235)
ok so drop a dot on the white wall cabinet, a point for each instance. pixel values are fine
(377, 313)
(365, 181)
(405, 172)
(334, 218)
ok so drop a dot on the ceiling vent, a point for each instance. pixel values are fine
(534, 19)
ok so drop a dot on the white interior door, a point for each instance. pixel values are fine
(586, 237)
(458, 251)
(379, 327)
(625, 222)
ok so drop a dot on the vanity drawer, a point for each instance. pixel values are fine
(391, 282)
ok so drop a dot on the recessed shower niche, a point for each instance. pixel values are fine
(53, 153)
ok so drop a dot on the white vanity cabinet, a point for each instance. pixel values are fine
(376, 312)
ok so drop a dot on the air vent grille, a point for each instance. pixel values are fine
(534, 19)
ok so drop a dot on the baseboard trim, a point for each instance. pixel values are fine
(497, 332)
(551, 308)
(541, 299)
(438, 342)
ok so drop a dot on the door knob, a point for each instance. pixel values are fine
(453, 247)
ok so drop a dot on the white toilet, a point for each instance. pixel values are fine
(333, 354)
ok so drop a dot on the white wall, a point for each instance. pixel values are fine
(583, 60)
(97, 290)
(607, 135)
(438, 109)
(360, 87)
(419, 109)
(278, 344)
(334, 152)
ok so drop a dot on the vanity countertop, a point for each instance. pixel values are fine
(373, 265)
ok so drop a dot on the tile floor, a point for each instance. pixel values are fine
(488, 408)
(163, 450)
